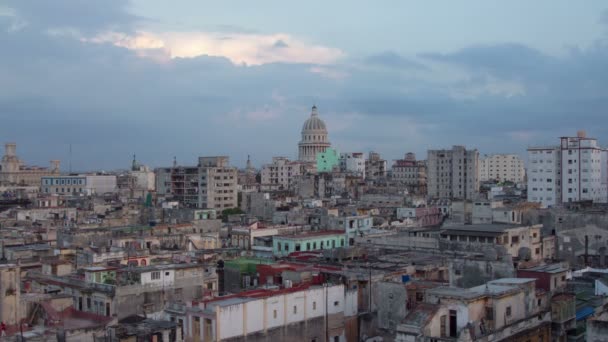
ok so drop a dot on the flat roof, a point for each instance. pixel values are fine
(487, 228)
(551, 268)
(308, 235)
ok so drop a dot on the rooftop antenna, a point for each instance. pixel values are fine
(70, 160)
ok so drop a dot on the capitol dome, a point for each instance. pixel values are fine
(314, 123)
(314, 137)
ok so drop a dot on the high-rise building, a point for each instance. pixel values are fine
(410, 172)
(453, 173)
(576, 170)
(314, 138)
(502, 167)
(212, 184)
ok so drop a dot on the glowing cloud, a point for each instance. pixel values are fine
(240, 48)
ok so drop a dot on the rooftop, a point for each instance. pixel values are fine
(492, 227)
(308, 235)
(551, 268)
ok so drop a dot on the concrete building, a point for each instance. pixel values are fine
(314, 138)
(353, 163)
(79, 184)
(410, 172)
(453, 173)
(576, 170)
(352, 226)
(501, 310)
(520, 241)
(284, 245)
(10, 287)
(328, 160)
(14, 171)
(281, 174)
(502, 167)
(308, 313)
(138, 181)
(134, 290)
(375, 166)
(212, 184)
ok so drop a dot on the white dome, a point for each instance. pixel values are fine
(314, 124)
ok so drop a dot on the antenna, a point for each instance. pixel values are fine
(70, 160)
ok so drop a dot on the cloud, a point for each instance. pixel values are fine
(329, 72)
(102, 89)
(280, 44)
(240, 48)
(86, 16)
(391, 59)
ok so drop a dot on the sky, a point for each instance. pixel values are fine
(189, 78)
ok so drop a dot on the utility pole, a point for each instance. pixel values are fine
(325, 285)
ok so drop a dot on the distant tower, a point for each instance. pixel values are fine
(314, 138)
(249, 165)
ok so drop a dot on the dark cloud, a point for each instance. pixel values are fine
(280, 44)
(86, 16)
(110, 103)
(393, 60)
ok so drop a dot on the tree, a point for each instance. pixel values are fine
(230, 211)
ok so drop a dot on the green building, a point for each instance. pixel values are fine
(283, 245)
(328, 160)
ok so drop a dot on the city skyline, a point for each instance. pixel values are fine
(141, 77)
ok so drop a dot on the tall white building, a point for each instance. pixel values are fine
(503, 167)
(576, 170)
(281, 174)
(353, 162)
(453, 173)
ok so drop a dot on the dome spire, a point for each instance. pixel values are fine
(314, 111)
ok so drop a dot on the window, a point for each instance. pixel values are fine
(314, 305)
(274, 314)
(508, 312)
(295, 309)
(166, 273)
(336, 303)
(155, 275)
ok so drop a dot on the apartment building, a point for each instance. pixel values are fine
(502, 167)
(375, 166)
(576, 170)
(280, 174)
(410, 172)
(353, 163)
(78, 184)
(212, 184)
(453, 173)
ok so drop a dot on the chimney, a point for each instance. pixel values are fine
(581, 134)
